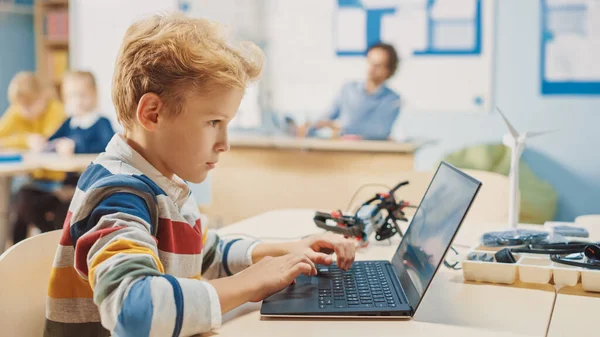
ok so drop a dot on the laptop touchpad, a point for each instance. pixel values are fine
(305, 288)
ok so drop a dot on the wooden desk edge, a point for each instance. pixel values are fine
(323, 145)
(30, 163)
(577, 291)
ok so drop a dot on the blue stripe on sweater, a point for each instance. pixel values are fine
(226, 254)
(92, 174)
(157, 190)
(130, 182)
(118, 202)
(178, 294)
(135, 318)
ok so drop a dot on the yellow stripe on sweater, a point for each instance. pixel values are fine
(204, 236)
(121, 246)
(65, 282)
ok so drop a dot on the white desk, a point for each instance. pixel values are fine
(31, 163)
(245, 321)
(451, 306)
(575, 311)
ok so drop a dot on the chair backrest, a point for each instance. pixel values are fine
(25, 270)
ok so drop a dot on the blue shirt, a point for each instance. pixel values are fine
(370, 116)
(90, 134)
(88, 137)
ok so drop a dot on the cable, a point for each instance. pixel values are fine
(360, 189)
(453, 266)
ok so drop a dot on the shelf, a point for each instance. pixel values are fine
(15, 9)
(52, 51)
(58, 44)
(54, 3)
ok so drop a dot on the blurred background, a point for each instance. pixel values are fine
(458, 61)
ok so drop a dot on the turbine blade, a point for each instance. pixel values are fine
(512, 130)
(540, 133)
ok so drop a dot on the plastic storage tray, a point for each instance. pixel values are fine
(529, 268)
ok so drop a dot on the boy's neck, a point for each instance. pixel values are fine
(140, 147)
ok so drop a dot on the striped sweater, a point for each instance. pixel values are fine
(134, 255)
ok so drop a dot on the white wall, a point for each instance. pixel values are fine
(305, 72)
(95, 41)
(244, 20)
(567, 159)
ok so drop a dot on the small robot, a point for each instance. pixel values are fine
(379, 215)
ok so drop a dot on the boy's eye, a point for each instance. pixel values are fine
(214, 122)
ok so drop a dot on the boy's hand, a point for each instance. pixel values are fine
(272, 274)
(314, 246)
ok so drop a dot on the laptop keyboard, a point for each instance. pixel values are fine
(363, 286)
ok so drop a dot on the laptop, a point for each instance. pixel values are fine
(383, 288)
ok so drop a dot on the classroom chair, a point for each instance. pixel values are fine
(25, 270)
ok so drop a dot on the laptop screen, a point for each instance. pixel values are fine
(432, 229)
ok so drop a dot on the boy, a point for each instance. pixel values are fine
(134, 259)
(45, 203)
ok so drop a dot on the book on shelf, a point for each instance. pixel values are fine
(56, 25)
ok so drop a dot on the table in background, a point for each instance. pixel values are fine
(30, 163)
(265, 173)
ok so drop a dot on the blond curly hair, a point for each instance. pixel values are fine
(171, 55)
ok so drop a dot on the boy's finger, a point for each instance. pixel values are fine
(304, 259)
(300, 268)
(320, 258)
(342, 256)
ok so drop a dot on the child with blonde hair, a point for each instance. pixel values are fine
(85, 131)
(33, 113)
(134, 258)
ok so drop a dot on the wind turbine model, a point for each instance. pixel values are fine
(516, 142)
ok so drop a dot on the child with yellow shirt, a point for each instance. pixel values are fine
(31, 113)
(33, 116)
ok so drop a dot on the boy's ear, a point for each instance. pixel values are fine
(148, 111)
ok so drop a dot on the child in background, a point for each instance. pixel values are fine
(32, 115)
(44, 203)
(85, 131)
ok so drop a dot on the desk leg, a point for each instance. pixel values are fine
(4, 210)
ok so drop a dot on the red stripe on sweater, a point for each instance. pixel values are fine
(179, 237)
(65, 238)
(85, 243)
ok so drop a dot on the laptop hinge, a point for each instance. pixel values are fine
(399, 289)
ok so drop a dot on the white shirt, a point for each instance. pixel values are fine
(85, 121)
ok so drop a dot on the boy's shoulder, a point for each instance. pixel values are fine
(110, 172)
